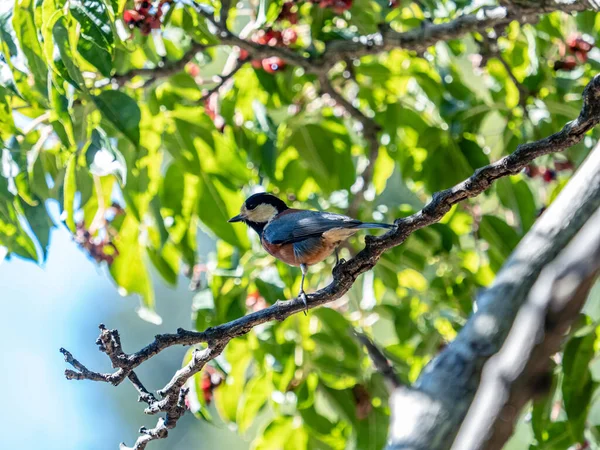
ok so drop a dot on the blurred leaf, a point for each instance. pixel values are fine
(70, 190)
(325, 149)
(104, 159)
(578, 385)
(517, 196)
(26, 31)
(122, 111)
(96, 38)
(129, 269)
(501, 237)
(256, 393)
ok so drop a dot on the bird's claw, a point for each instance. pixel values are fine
(302, 296)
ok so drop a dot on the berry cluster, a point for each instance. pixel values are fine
(211, 378)
(210, 108)
(289, 12)
(338, 6)
(272, 38)
(99, 248)
(577, 48)
(146, 16)
(255, 301)
(545, 173)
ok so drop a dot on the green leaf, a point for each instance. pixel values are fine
(501, 237)
(325, 150)
(94, 20)
(96, 36)
(578, 385)
(227, 395)
(216, 205)
(40, 224)
(516, 195)
(256, 394)
(12, 234)
(542, 411)
(129, 269)
(61, 35)
(26, 31)
(372, 430)
(104, 159)
(69, 192)
(281, 434)
(122, 111)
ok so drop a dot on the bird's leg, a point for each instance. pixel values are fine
(302, 294)
(338, 261)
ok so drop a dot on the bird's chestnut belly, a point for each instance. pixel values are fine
(313, 255)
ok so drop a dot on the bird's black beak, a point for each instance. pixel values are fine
(237, 218)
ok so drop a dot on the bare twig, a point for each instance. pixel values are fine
(224, 13)
(223, 79)
(164, 71)
(511, 377)
(344, 275)
(380, 362)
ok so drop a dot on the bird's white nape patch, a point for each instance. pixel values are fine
(262, 213)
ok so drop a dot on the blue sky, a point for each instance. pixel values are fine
(61, 305)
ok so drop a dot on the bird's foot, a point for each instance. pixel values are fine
(302, 296)
(338, 266)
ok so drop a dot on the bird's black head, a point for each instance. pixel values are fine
(258, 210)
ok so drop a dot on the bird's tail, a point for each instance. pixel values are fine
(375, 225)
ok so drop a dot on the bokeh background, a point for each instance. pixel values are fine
(61, 305)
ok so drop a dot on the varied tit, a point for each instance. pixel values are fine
(298, 237)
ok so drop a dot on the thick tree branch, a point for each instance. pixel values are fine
(448, 384)
(344, 276)
(512, 376)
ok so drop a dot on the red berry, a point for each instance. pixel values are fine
(567, 64)
(563, 165)
(193, 69)
(549, 175)
(143, 6)
(273, 64)
(289, 36)
(243, 55)
(577, 43)
(581, 56)
(289, 13)
(532, 171)
(132, 17)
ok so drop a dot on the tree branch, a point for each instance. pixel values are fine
(419, 39)
(223, 79)
(512, 376)
(166, 70)
(344, 276)
(448, 384)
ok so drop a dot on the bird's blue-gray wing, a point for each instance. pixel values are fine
(296, 226)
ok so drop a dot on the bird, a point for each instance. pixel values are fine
(298, 237)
